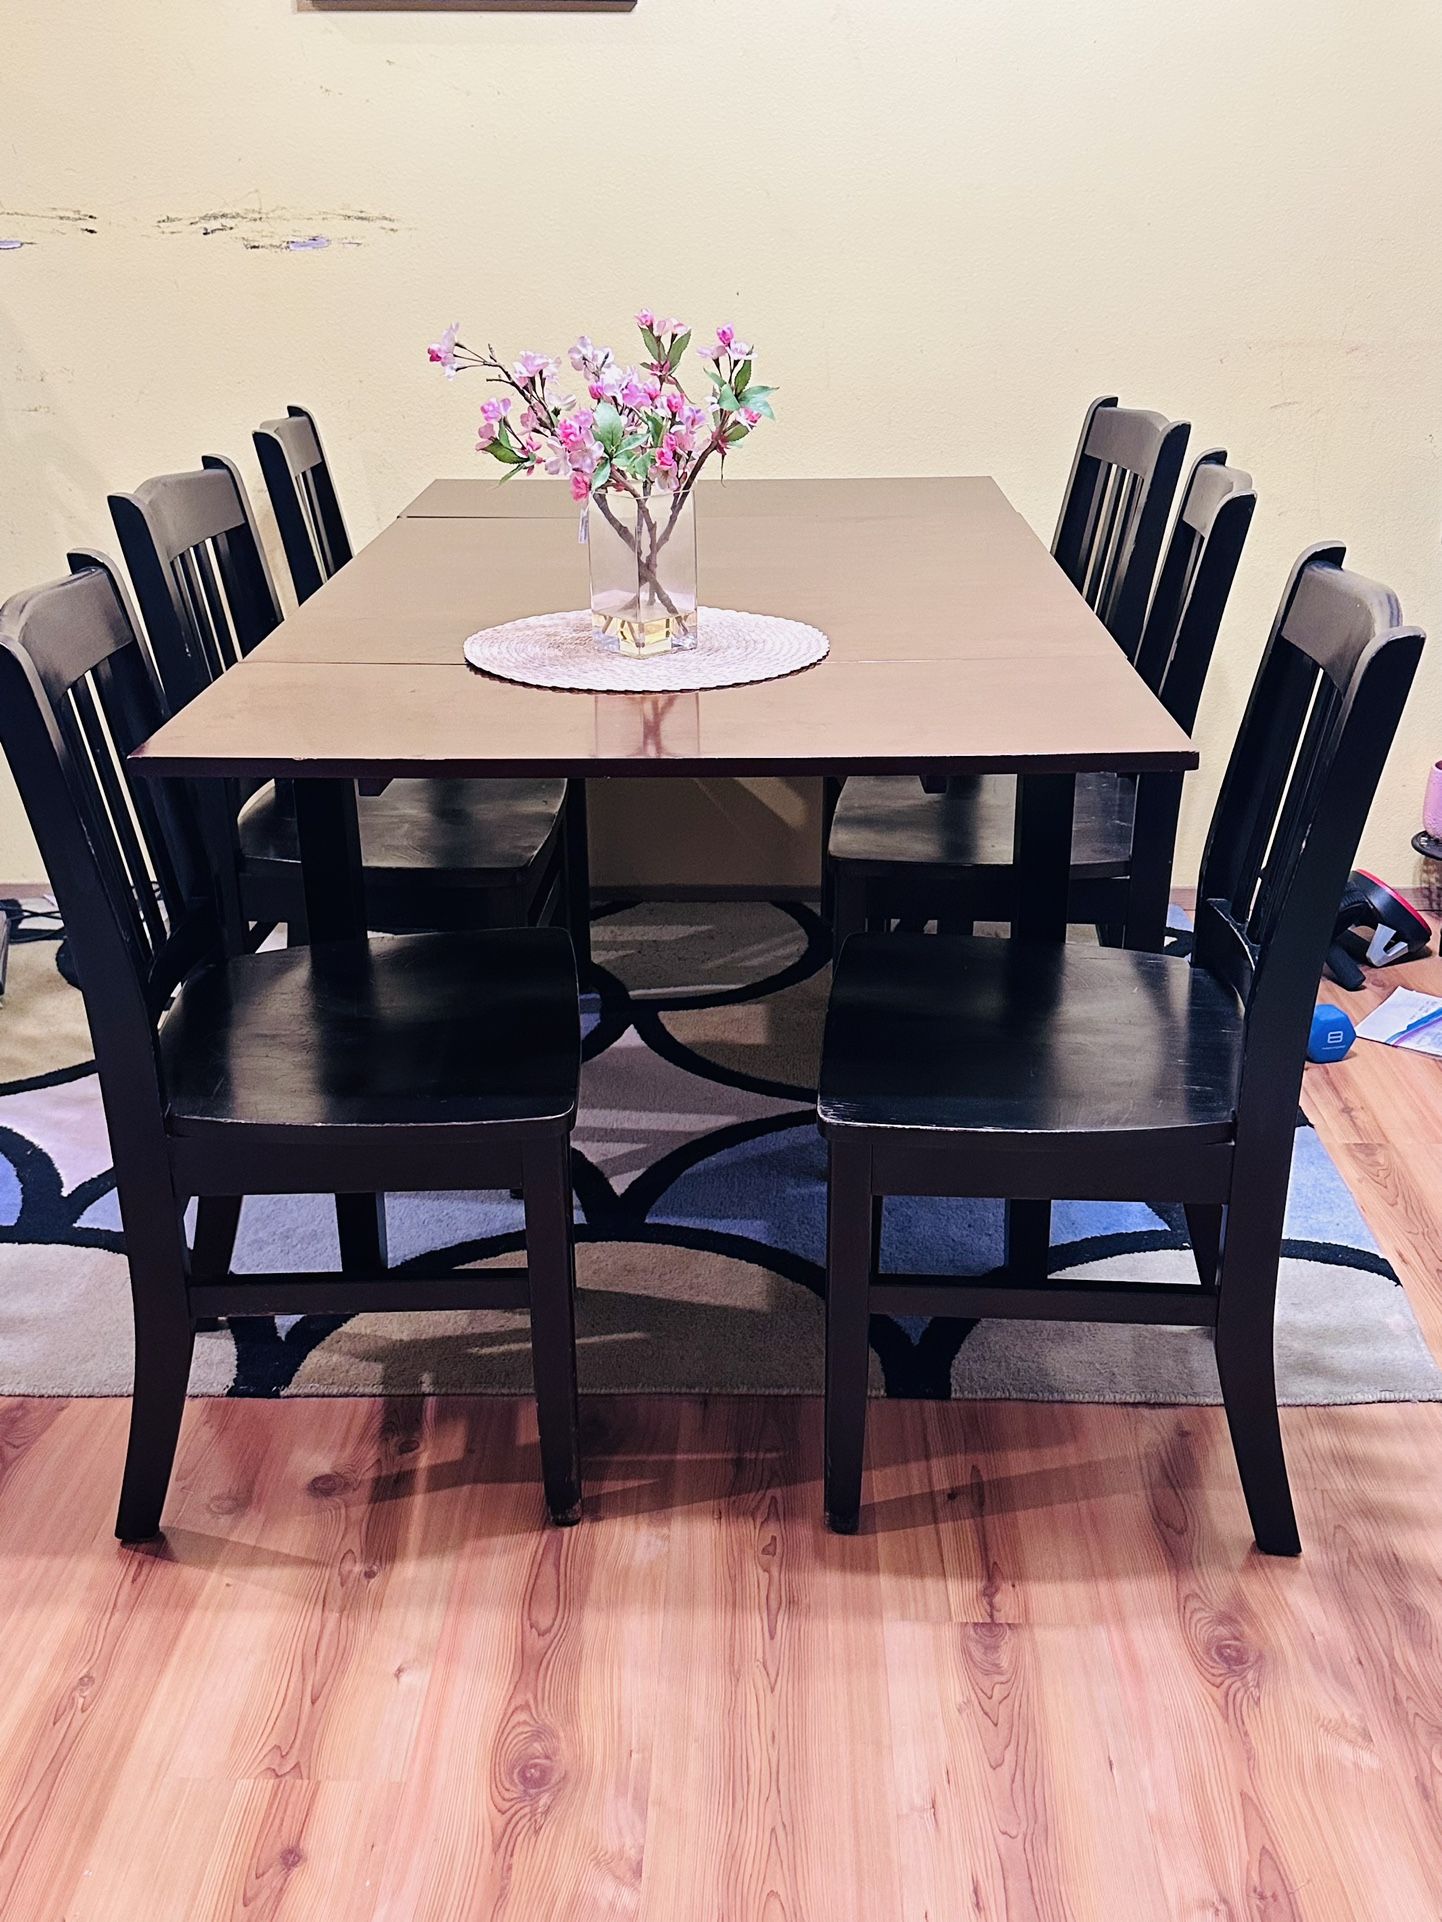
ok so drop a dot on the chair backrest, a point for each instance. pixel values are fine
(200, 573)
(303, 498)
(1196, 577)
(1318, 727)
(124, 857)
(1114, 515)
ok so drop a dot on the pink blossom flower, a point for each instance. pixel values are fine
(726, 343)
(575, 431)
(529, 365)
(609, 381)
(671, 326)
(676, 404)
(633, 394)
(751, 420)
(485, 434)
(443, 351)
(580, 487)
(493, 411)
(646, 319)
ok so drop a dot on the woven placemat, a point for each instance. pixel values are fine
(556, 650)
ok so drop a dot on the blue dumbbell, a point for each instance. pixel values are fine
(1332, 1033)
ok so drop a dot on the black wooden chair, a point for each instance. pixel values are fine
(1114, 513)
(982, 1067)
(437, 854)
(900, 852)
(303, 499)
(420, 1061)
(313, 533)
(1108, 539)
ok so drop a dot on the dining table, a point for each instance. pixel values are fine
(957, 647)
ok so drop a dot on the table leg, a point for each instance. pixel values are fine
(1041, 853)
(328, 832)
(1042, 857)
(1154, 840)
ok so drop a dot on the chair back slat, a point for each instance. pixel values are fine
(1321, 718)
(141, 882)
(303, 499)
(1194, 583)
(77, 694)
(200, 576)
(1123, 481)
(130, 698)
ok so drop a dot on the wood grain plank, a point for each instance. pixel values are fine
(531, 1767)
(773, 1716)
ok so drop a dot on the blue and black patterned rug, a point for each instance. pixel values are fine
(700, 1221)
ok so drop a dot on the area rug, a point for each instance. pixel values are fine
(700, 1216)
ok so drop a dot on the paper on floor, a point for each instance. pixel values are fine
(1406, 1019)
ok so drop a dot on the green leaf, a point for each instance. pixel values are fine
(738, 430)
(727, 397)
(609, 427)
(658, 429)
(711, 374)
(601, 476)
(653, 344)
(751, 395)
(512, 456)
(741, 376)
(678, 347)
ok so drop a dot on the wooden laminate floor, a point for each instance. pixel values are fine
(1051, 1679)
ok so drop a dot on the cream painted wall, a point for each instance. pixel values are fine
(948, 223)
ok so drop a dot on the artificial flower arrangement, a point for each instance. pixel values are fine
(633, 451)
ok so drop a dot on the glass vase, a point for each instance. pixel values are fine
(643, 571)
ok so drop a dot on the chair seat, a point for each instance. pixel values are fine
(1001, 1038)
(884, 822)
(476, 833)
(476, 1028)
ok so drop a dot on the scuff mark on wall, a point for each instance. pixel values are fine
(261, 229)
(33, 221)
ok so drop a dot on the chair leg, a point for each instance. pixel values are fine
(551, 1266)
(216, 1219)
(1204, 1225)
(361, 1224)
(852, 1232)
(830, 796)
(164, 1340)
(1028, 1240)
(848, 906)
(577, 883)
(1251, 1245)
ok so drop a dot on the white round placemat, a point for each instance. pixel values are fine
(556, 650)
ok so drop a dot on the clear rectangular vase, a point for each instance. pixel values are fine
(643, 571)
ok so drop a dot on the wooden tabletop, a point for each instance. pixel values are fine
(956, 645)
